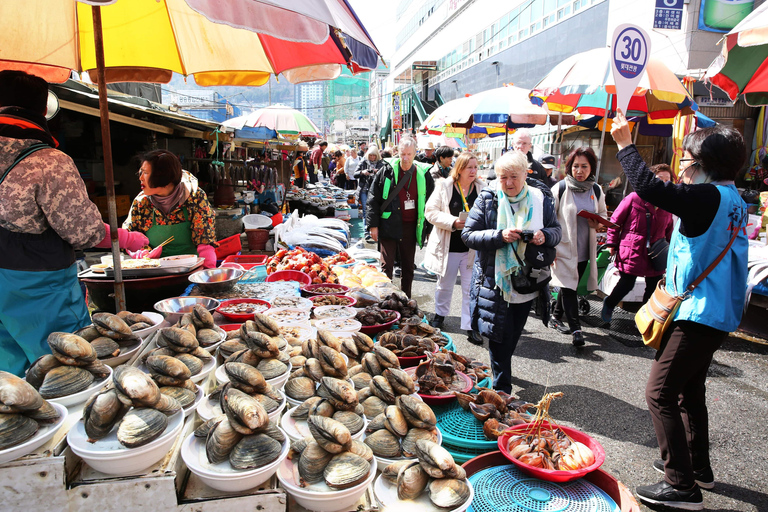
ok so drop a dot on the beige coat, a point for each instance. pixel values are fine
(565, 271)
(437, 213)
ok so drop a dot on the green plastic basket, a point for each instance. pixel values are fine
(461, 428)
(485, 383)
(462, 454)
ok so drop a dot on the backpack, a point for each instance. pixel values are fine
(561, 190)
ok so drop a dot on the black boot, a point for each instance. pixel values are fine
(474, 338)
(437, 321)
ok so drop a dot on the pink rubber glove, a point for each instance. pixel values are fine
(209, 253)
(129, 240)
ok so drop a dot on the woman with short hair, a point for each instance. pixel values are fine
(364, 173)
(447, 255)
(506, 223)
(578, 249)
(711, 211)
(172, 205)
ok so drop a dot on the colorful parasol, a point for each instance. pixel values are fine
(286, 121)
(741, 67)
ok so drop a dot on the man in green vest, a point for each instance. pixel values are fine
(395, 213)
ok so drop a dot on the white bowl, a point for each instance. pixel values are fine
(384, 462)
(300, 303)
(182, 260)
(386, 494)
(210, 409)
(322, 312)
(107, 260)
(320, 497)
(276, 382)
(298, 429)
(223, 476)
(43, 435)
(332, 324)
(305, 333)
(82, 396)
(157, 320)
(199, 395)
(293, 402)
(126, 353)
(302, 316)
(109, 456)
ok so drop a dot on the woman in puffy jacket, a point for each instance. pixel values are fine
(495, 230)
(629, 243)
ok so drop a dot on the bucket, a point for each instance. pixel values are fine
(257, 239)
(257, 221)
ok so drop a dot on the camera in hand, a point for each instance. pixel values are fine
(526, 235)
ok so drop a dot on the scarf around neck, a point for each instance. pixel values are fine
(575, 185)
(21, 123)
(168, 203)
(505, 261)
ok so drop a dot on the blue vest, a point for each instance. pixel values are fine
(719, 300)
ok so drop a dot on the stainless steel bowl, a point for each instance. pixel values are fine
(175, 307)
(216, 280)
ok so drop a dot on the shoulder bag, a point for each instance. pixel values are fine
(393, 194)
(655, 316)
(657, 251)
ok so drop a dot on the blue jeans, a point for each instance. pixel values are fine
(363, 202)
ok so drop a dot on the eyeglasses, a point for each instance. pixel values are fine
(684, 161)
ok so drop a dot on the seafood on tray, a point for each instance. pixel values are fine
(415, 326)
(303, 261)
(407, 345)
(374, 315)
(23, 411)
(341, 258)
(398, 301)
(496, 410)
(436, 376)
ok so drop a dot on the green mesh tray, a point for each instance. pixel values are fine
(461, 428)
(485, 383)
(462, 454)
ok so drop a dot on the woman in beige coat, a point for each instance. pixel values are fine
(447, 255)
(578, 247)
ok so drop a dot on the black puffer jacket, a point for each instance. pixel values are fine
(364, 181)
(486, 305)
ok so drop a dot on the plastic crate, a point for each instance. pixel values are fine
(247, 261)
(228, 246)
(462, 454)
(461, 428)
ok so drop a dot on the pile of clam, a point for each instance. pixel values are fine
(135, 404)
(407, 345)
(250, 381)
(258, 344)
(319, 358)
(71, 367)
(396, 431)
(496, 410)
(109, 333)
(337, 400)
(173, 374)
(475, 369)
(243, 434)
(200, 323)
(330, 455)
(181, 345)
(435, 472)
(416, 327)
(550, 449)
(22, 411)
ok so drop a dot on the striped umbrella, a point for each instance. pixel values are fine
(286, 121)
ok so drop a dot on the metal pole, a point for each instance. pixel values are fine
(602, 138)
(106, 142)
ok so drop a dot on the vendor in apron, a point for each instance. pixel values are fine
(45, 214)
(171, 205)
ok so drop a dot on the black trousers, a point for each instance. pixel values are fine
(568, 302)
(676, 398)
(407, 251)
(501, 350)
(626, 284)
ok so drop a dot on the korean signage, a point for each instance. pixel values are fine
(631, 48)
(668, 14)
(397, 116)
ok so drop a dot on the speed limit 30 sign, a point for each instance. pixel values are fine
(631, 49)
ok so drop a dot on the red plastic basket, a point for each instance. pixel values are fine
(231, 327)
(247, 261)
(553, 475)
(240, 317)
(230, 245)
(441, 399)
(371, 330)
(289, 275)
(309, 289)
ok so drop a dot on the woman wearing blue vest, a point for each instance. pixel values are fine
(396, 200)
(709, 208)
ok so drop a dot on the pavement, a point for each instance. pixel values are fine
(604, 384)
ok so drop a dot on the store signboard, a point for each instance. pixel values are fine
(668, 14)
(723, 15)
(397, 116)
(631, 48)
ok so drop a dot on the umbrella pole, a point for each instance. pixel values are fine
(106, 141)
(602, 138)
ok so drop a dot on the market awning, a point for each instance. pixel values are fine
(387, 127)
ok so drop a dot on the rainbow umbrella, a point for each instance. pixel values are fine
(286, 121)
(741, 67)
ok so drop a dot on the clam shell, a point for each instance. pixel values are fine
(361, 380)
(412, 481)
(350, 420)
(381, 388)
(229, 347)
(167, 404)
(330, 434)
(271, 368)
(361, 449)
(201, 354)
(45, 414)
(202, 316)
(387, 358)
(194, 364)
(417, 413)
(254, 451)
(88, 333)
(412, 437)
(105, 347)
(266, 324)
(205, 428)
(448, 492)
(244, 412)
(328, 339)
(435, 459)
(71, 349)
(206, 337)
(377, 423)
(101, 412)
(322, 408)
(38, 370)
(65, 380)
(346, 470)
(272, 430)
(302, 410)
(363, 342)
(395, 421)
(112, 326)
(141, 426)
(220, 441)
(401, 382)
(312, 464)
(245, 377)
(373, 406)
(332, 363)
(136, 385)
(168, 366)
(260, 344)
(184, 396)
(341, 393)
(300, 388)
(97, 369)
(391, 471)
(15, 429)
(17, 395)
(383, 443)
(371, 364)
(176, 339)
